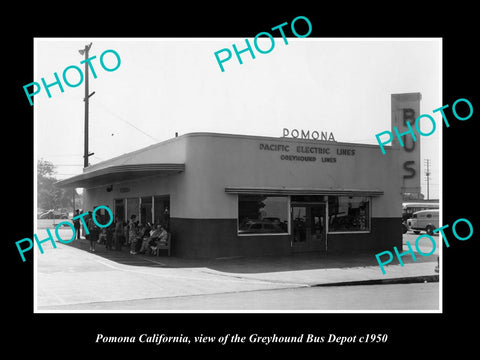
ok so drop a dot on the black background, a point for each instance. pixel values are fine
(410, 334)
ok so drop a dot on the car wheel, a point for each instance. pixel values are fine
(429, 230)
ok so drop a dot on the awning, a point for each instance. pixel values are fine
(114, 174)
(302, 191)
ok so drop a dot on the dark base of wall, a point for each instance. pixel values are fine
(214, 238)
(384, 235)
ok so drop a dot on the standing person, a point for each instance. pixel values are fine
(76, 225)
(132, 234)
(125, 233)
(93, 237)
(118, 234)
(84, 228)
(140, 233)
(166, 219)
(109, 236)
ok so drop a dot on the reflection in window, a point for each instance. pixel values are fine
(259, 214)
(133, 206)
(348, 213)
(119, 209)
(146, 210)
(161, 210)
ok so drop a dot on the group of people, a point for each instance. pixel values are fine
(142, 238)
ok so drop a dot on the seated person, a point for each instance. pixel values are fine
(142, 239)
(159, 238)
(102, 236)
(147, 236)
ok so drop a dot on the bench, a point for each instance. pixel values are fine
(166, 246)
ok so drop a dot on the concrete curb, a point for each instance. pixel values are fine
(296, 270)
(400, 280)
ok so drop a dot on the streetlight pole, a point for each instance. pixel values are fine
(427, 174)
(86, 154)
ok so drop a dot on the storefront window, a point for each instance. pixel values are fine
(146, 210)
(119, 208)
(348, 213)
(133, 207)
(161, 210)
(259, 214)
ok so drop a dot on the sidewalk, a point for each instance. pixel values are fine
(71, 277)
(304, 269)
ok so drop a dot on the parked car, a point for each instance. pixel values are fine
(424, 220)
(275, 220)
(259, 227)
(53, 214)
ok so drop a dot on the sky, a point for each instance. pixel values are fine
(169, 85)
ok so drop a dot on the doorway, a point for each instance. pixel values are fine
(309, 231)
(119, 208)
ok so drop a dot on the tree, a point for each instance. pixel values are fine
(48, 195)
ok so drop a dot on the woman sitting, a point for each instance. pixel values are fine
(144, 238)
(147, 239)
(159, 239)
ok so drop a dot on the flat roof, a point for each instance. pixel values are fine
(115, 170)
(227, 135)
(280, 138)
(301, 191)
(114, 174)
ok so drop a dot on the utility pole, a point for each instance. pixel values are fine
(86, 154)
(427, 174)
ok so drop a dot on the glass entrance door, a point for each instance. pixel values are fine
(299, 224)
(309, 227)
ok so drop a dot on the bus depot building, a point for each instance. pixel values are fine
(225, 195)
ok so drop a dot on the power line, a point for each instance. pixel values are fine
(60, 155)
(127, 122)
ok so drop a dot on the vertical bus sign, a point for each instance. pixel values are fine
(405, 109)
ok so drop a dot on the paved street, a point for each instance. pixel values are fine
(70, 278)
(423, 296)
(424, 244)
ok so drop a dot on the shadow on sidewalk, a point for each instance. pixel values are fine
(245, 265)
(122, 257)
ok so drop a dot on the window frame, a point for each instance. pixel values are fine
(154, 212)
(287, 209)
(329, 232)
